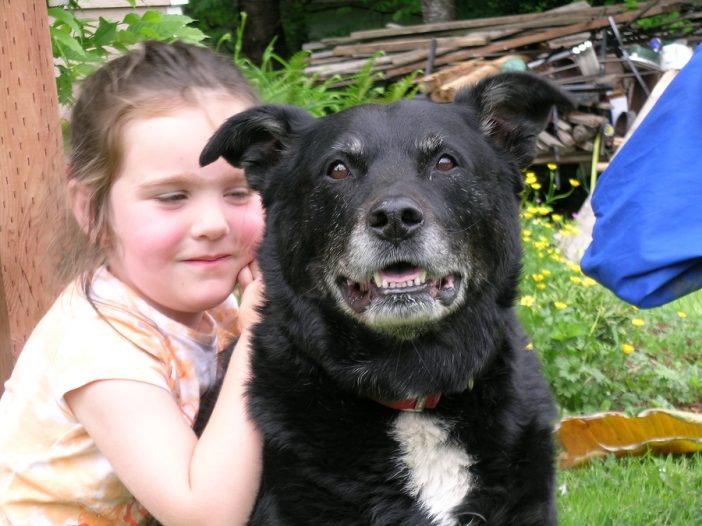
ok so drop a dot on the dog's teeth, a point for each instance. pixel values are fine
(378, 280)
(422, 277)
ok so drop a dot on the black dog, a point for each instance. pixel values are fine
(390, 375)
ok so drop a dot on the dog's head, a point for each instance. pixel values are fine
(395, 215)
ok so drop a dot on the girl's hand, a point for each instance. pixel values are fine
(247, 274)
(251, 301)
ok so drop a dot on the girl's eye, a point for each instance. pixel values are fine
(172, 197)
(445, 163)
(239, 193)
(338, 170)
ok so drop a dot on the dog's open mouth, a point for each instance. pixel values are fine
(400, 280)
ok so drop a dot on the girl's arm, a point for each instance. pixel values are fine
(178, 478)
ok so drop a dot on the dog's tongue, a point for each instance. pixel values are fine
(400, 276)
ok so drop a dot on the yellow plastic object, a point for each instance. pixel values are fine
(658, 430)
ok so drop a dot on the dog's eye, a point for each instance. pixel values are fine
(445, 163)
(338, 170)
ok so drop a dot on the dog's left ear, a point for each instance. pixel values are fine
(513, 109)
(256, 140)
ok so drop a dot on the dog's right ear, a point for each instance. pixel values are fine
(256, 140)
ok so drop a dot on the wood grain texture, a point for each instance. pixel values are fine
(31, 165)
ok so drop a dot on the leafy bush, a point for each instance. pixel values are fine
(81, 45)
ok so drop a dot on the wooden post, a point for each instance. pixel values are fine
(31, 161)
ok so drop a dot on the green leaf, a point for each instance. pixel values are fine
(151, 17)
(105, 33)
(64, 85)
(62, 16)
(70, 46)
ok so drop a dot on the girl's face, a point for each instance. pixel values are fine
(181, 233)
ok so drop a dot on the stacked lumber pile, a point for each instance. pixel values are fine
(582, 48)
(406, 49)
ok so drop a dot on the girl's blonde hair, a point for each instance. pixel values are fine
(150, 80)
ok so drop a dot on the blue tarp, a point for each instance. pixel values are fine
(647, 238)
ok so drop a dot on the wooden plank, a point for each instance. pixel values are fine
(593, 12)
(447, 90)
(31, 166)
(390, 46)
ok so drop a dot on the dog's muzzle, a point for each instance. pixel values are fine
(398, 271)
(400, 283)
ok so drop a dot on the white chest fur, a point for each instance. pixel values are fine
(437, 468)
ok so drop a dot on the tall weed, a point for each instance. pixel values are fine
(285, 82)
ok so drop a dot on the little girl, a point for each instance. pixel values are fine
(96, 420)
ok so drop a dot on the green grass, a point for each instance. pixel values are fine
(598, 352)
(638, 491)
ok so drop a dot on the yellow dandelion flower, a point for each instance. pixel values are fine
(543, 210)
(557, 217)
(638, 322)
(576, 280)
(531, 209)
(527, 215)
(552, 166)
(627, 348)
(540, 286)
(574, 183)
(560, 305)
(588, 282)
(537, 277)
(527, 301)
(573, 267)
(526, 233)
(682, 315)
(569, 230)
(536, 186)
(529, 346)
(546, 272)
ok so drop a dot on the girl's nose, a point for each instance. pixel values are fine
(209, 221)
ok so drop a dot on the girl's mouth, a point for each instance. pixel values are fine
(209, 259)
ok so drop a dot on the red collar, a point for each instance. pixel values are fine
(420, 403)
(416, 405)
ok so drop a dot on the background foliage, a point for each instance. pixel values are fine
(80, 45)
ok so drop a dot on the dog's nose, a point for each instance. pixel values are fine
(395, 218)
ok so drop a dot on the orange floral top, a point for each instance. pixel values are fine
(51, 472)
